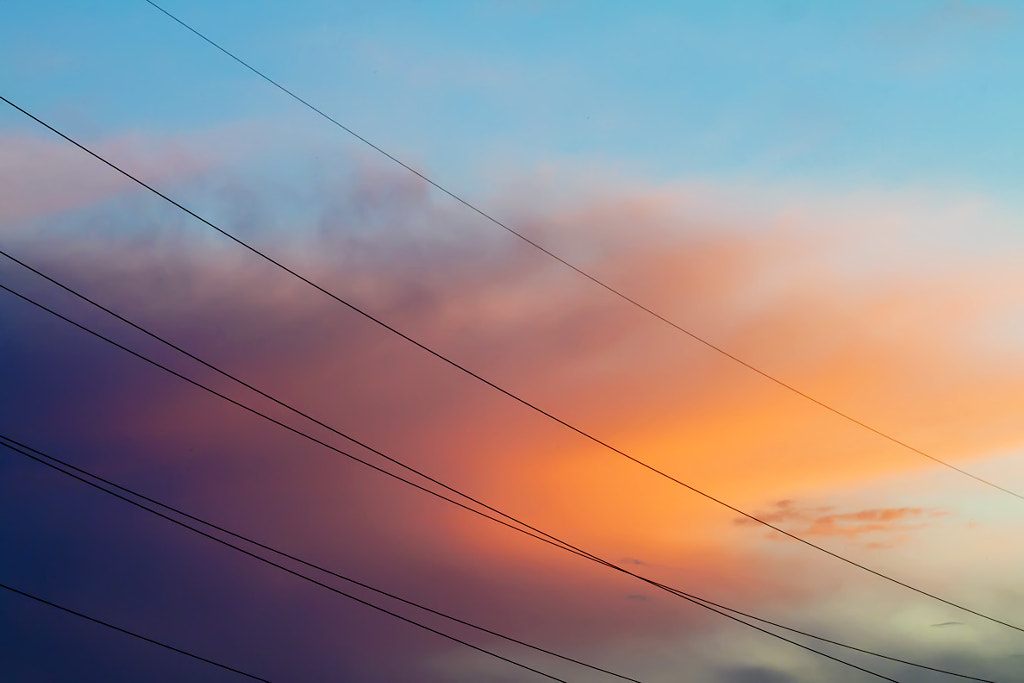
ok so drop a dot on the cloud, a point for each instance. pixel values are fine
(43, 176)
(823, 521)
(772, 292)
(511, 314)
(757, 675)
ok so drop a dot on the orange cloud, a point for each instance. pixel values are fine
(902, 351)
(823, 521)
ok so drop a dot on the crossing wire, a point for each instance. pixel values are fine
(529, 530)
(504, 391)
(69, 470)
(43, 458)
(283, 568)
(594, 279)
(441, 496)
(4, 440)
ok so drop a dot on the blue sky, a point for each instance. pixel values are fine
(871, 93)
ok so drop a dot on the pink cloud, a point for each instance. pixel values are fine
(540, 331)
(45, 175)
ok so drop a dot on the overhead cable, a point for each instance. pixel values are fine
(565, 545)
(283, 568)
(506, 392)
(4, 442)
(529, 530)
(593, 278)
(67, 468)
(130, 633)
(107, 486)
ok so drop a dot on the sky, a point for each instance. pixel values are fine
(828, 192)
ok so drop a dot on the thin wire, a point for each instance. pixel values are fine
(23, 449)
(268, 396)
(508, 393)
(529, 530)
(582, 272)
(558, 542)
(682, 594)
(130, 633)
(45, 457)
(271, 419)
(226, 543)
(286, 569)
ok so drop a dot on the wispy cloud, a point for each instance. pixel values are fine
(510, 314)
(826, 521)
(43, 176)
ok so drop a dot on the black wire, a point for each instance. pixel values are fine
(582, 272)
(271, 419)
(284, 568)
(264, 394)
(547, 538)
(508, 393)
(676, 591)
(328, 587)
(565, 545)
(130, 633)
(23, 450)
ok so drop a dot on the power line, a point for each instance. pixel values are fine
(276, 421)
(43, 458)
(540, 536)
(130, 633)
(290, 571)
(565, 545)
(266, 395)
(529, 530)
(500, 389)
(65, 468)
(594, 279)
(270, 562)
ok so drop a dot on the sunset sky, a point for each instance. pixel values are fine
(828, 192)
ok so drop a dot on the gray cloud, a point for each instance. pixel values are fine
(757, 674)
